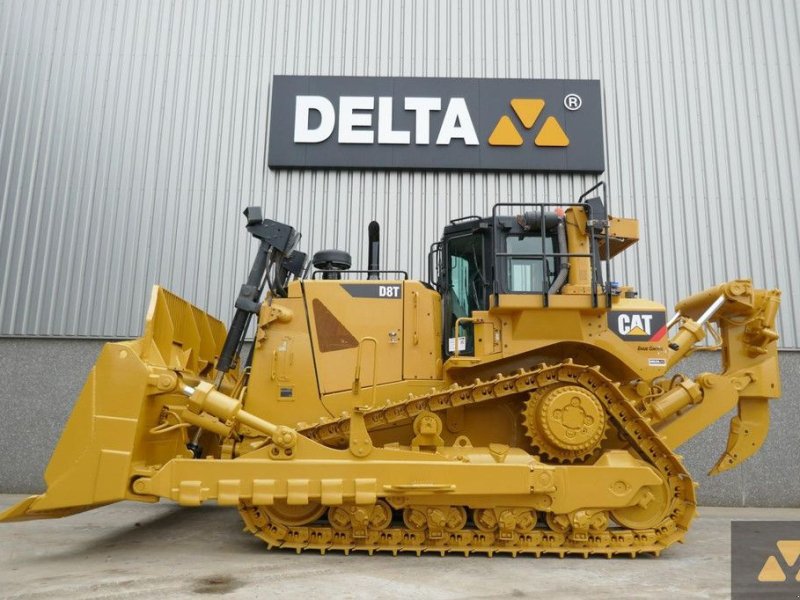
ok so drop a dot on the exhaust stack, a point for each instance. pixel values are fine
(373, 250)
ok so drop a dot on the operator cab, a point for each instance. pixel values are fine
(478, 258)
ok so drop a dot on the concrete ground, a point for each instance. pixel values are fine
(132, 550)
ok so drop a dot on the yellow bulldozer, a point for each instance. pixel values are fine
(516, 401)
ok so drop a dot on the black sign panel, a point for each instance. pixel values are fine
(436, 123)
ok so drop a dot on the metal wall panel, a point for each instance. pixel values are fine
(133, 133)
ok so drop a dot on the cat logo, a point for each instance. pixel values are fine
(527, 111)
(772, 570)
(638, 326)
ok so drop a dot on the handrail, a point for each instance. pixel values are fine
(540, 254)
(544, 255)
(434, 253)
(459, 320)
(601, 184)
(385, 271)
(357, 378)
(467, 218)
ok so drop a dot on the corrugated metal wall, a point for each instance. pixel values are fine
(133, 133)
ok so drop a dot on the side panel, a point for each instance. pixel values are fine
(422, 343)
(283, 383)
(343, 313)
(633, 330)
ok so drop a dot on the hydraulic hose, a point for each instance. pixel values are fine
(250, 292)
(563, 272)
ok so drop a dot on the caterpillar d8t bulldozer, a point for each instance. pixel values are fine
(518, 401)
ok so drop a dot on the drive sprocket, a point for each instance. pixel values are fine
(565, 423)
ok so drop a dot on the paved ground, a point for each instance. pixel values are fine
(142, 551)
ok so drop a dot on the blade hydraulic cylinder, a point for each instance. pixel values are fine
(204, 398)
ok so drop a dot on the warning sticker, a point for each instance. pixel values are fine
(462, 344)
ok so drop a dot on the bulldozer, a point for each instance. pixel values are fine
(515, 401)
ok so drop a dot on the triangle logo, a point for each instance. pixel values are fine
(790, 550)
(528, 110)
(505, 134)
(771, 571)
(637, 331)
(551, 134)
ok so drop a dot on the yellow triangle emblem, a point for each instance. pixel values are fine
(790, 549)
(505, 134)
(527, 109)
(637, 331)
(771, 571)
(551, 134)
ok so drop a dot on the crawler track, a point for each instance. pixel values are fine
(323, 537)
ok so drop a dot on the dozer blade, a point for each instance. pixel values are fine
(110, 431)
(748, 431)
(90, 464)
(22, 511)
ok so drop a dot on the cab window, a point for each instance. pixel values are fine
(524, 274)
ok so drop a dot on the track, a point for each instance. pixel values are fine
(471, 537)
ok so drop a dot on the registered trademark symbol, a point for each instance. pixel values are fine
(572, 101)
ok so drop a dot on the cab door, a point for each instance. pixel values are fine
(465, 282)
